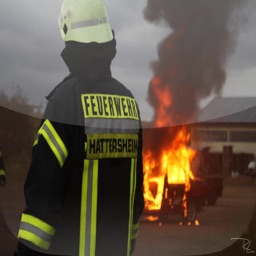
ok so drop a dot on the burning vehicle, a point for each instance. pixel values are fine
(190, 67)
(168, 179)
(176, 200)
(170, 185)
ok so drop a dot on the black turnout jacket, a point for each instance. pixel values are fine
(84, 186)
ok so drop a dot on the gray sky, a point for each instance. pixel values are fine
(30, 47)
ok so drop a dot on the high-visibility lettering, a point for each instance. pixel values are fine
(117, 105)
(105, 106)
(124, 107)
(129, 106)
(109, 106)
(100, 107)
(93, 104)
(111, 146)
(86, 105)
(134, 107)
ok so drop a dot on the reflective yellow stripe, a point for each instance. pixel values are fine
(94, 208)
(33, 239)
(35, 142)
(135, 229)
(88, 218)
(36, 231)
(131, 203)
(38, 223)
(2, 172)
(83, 209)
(54, 141)
(38, 134)
(135, 226)
(60, 143)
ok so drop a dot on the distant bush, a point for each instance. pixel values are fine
(17, 129)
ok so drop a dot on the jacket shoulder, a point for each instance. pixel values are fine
(65, 89)
(62, 102)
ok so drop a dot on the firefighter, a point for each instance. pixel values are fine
(84, 187)
(2, 171)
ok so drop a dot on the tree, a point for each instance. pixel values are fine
(17, 127)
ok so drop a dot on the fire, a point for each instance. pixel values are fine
(177, 160)
(166, 163)
(163, 95)
(153, 182)
(173, 167)
(196, 223)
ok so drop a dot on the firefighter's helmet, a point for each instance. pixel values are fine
(84, 21)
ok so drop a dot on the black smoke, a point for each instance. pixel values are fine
(192, 59)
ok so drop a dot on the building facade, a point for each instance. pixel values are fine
(227, 127)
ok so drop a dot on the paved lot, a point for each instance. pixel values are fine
(218, 224)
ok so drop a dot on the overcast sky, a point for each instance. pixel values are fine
(31, 45)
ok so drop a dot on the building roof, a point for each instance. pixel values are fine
(229, 110)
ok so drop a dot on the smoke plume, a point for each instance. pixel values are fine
(193, 57)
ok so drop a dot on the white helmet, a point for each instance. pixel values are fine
(84, 21)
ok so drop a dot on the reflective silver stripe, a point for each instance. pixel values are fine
(55, 143)
(89, 207)
(88, 221)
(88, 23)
(131, 203)
(36, 231)
(115, 125)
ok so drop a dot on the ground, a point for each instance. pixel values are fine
(220, 232)
(234, 216)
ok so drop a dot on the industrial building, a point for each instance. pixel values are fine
(226, 134)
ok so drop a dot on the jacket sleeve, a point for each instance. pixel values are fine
(45, 186)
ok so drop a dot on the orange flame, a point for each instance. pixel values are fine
(174, 164)
(164, 98)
